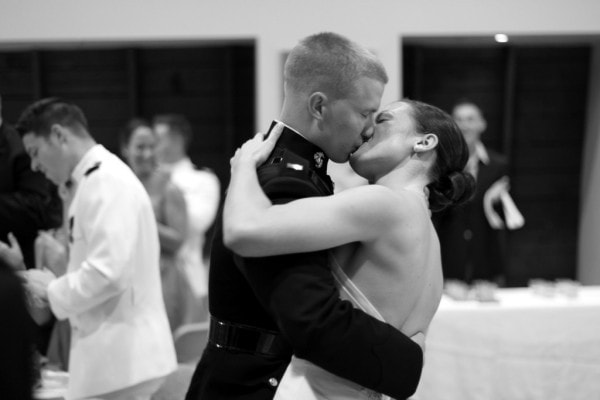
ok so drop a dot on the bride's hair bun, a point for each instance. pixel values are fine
(452, 189)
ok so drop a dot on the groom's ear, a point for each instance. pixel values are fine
(316, 105)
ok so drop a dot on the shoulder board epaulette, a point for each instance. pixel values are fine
(92, 168)
(71, 223)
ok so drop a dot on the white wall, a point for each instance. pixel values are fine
(589, 224)
(276, 25)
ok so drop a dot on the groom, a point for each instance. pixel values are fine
(265, 309)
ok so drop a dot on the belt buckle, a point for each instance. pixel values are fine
(230, 336)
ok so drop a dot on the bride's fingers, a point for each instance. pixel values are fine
(275, 134)
(268, 144)
(277, 129)
(258, 148)
(253, 142)
(235, 156)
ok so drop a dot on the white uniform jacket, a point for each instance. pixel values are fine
(201, 189)
(111, 292)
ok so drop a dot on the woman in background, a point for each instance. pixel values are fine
(138, 143)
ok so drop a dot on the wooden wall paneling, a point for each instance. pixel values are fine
(534, 99)
(508, 102)
(133, 78)
(228, 135)
(97, 81)
(37, 76)
(202, 84)
(448, 74)
(412, 65)
(17, 79)
(548, 136)
(242, 104)
(244, 95)
(86, 73)
(212, 85)
(186, 81)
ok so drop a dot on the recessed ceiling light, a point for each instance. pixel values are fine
(501, 38)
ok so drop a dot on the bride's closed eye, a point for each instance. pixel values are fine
(381, 117)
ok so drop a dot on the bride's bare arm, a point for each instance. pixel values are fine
(254, 227)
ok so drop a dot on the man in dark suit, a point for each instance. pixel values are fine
(471, 236)
(265, 309)
(17, 372)
(28, 203)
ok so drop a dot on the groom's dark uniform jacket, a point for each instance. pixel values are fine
(265, 309)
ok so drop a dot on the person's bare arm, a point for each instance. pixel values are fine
(172, 233)
(254, 227)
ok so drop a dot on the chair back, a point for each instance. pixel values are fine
(190, 341)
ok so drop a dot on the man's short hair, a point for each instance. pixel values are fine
(39, 117)
(178, 125)
(330, 63)
(465, 101)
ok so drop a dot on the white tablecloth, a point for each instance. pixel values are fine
(53, 385)
(523, 347)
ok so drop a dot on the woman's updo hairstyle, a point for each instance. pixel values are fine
(450, 185)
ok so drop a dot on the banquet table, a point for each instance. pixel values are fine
(523, 346)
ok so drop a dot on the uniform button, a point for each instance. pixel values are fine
(468, 234)
(273, 382)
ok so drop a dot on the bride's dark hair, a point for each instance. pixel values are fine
(450, 185)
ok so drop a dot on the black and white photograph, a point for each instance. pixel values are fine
(300, 200)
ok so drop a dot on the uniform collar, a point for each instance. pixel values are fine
(89, 160)
(295, 142)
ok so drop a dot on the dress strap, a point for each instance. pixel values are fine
(352, 291)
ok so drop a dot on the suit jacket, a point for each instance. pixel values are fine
(17, 374)
(111, 292)
(471, 249)
(296, 294)
(28, 201)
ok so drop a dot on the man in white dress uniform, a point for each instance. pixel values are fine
(121, 342)
(201, 189)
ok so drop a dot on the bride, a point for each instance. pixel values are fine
(386, 256)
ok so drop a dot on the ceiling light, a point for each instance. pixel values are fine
(501, 38)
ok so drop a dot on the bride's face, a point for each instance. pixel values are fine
(391, 144)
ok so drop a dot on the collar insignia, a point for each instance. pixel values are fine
(318, 157)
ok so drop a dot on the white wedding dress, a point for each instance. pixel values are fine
(304, 380)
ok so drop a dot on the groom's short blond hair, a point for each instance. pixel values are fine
(330, 63)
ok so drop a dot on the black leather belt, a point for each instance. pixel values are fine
(248, 339)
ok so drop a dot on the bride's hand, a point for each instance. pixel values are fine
(257, 150)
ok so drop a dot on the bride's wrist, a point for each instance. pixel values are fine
(243, 163)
